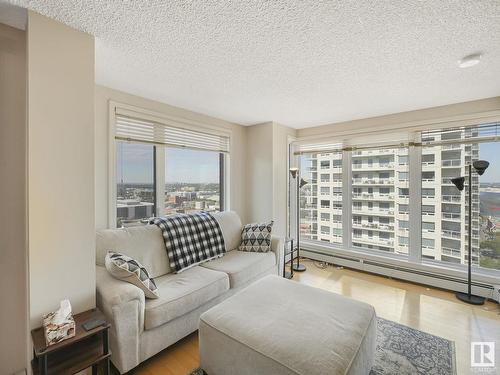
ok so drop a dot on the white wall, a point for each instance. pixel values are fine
(267, 146)
(281, 136)
(60, 166)
(422, 118)
(259, 172)
(13, 238)
(237, 153)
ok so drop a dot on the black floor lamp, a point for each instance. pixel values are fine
(300, 182)
(480, 166)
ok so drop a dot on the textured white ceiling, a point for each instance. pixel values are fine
(300, 63)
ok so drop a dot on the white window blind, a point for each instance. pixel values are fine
(311, 148)
(354, 143)
(137, 130)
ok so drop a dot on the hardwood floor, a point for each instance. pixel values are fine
(428, 309)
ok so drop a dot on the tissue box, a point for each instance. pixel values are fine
(55, 333)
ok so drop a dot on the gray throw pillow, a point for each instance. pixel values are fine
(128, 269)
(256, 237)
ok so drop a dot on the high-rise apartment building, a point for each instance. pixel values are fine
(380, 193)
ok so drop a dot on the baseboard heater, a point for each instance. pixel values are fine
(403, 273)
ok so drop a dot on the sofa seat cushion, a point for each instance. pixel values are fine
(182, 293)
(242, 266)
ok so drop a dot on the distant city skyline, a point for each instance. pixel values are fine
(135, 165)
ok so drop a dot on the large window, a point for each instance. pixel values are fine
(489, 209)
(163, 170)
(323, 197)
(192, 181)
(387, 214)
(448, 240)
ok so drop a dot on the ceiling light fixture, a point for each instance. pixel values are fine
(470, 60)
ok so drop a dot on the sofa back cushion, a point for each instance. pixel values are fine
(230, 224)
(144, 243)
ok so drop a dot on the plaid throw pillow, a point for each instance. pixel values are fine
(127, 269)
(256, 237)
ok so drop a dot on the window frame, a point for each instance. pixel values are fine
(159, 156)
(415, 259)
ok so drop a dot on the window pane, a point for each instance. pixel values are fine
(489, 215)
(329, 201)
(445, 208)
(192, 181)
(379, 187)
(442, 205)
(135, 187)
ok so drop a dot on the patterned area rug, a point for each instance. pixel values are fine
(402, 350)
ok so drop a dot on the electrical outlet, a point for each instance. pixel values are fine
(496, 293)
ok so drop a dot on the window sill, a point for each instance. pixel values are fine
(490, 277)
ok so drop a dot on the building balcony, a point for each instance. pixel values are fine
(373, 167)
(371, 212)
(451, 234)
(403, 231)
(371, 196)
(372, 181)
(374, 226)
(451, 147)
(447, 181)
(309, 207)
(426, 196)
(451, 252)
(452, 198)
(372, 152)
(373, 241)
(451, 163)
(453, 216)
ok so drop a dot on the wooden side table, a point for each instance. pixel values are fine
(85, 349)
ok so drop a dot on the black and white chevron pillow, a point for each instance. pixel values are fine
(128, 269)
(256, 237)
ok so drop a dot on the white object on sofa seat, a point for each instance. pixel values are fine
(242, 266)
(280, 327)
(183, 292)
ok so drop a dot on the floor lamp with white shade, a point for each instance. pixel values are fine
(299, 182)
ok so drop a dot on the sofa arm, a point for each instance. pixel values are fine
(278, 247)
(123, 305)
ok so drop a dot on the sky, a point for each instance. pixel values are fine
(490, 152)
(134, 164)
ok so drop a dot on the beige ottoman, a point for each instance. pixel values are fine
(277, 326)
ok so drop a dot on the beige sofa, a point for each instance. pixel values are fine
(142, 327)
